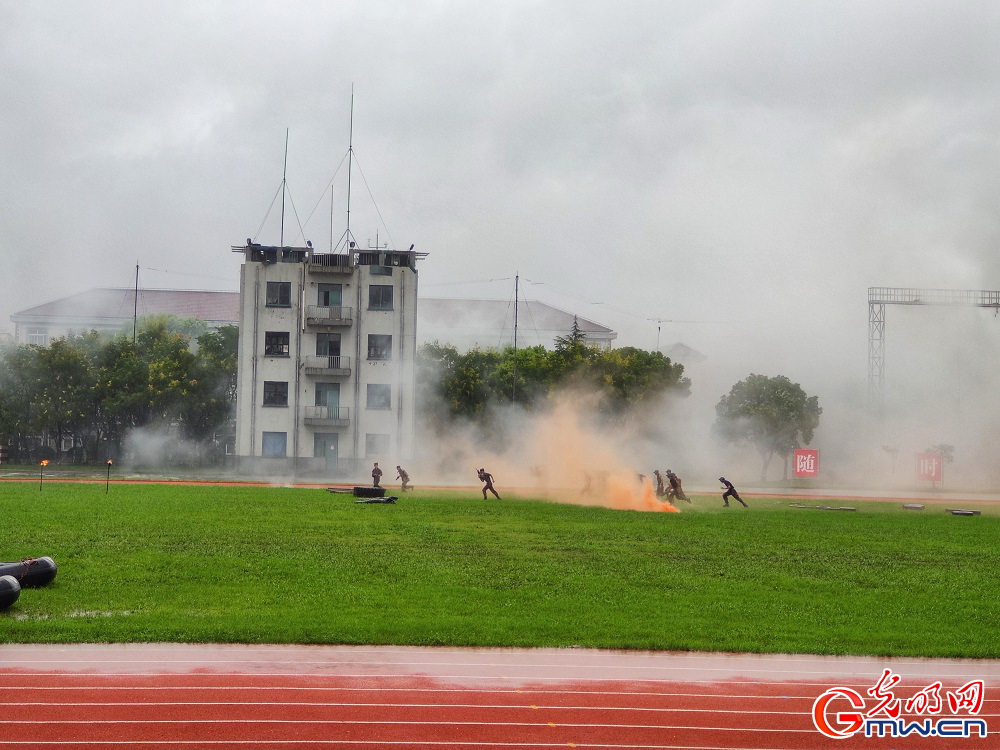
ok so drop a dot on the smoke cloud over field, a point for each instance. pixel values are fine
(564, 451)
(939, 389)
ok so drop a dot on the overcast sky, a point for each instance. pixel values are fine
(751, 167)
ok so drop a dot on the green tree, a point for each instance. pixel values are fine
(190, 328)
(121, 394)
(947, 451)
(629, 377)
(469, 386)
(772, 414)
(65, 384)
(97, 387)
(210, 406)
(19, 383)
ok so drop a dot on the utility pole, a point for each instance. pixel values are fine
(135, 303)
(513, 389)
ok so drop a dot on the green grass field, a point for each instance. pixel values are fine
(260, 565)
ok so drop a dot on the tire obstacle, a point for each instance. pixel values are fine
(31, 572)
(10, 590)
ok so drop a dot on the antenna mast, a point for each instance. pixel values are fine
(284, 174)
(350, 160)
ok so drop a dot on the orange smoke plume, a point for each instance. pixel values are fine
(566, 460)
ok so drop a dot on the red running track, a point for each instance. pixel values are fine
(201, 697)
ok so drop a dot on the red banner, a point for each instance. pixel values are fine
(930, 467)
(806, 464)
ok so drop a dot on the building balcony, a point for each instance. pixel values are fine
(336, 367)
(328, 264)
(316, 315)
(327, 416)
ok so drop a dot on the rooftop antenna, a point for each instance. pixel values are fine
(284, 174)
(659, 322)
(350, 161)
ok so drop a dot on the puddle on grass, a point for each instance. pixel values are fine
(79, 613)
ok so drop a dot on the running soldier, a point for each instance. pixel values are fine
(730, 492)
(676, 490)
(376, 475)
(401, 474)
(485, 476)
(659, 483)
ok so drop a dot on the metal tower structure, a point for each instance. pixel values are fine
(880, 296)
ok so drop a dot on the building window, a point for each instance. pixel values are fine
(275, 393)
(379, 396)
(276, 343)
(325, 445)
(331, 295)
(327, 344)
(38, 336)
(274, 444)
(381, 270)
(379, 346)
(279, 294)
(376, 445)
(380, 297)
(328, 395)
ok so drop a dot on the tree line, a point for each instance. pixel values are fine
(91, 390)
(771, 415)
(475, 386)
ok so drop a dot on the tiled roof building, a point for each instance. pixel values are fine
(466, 323)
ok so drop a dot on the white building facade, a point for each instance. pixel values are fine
(326, 360)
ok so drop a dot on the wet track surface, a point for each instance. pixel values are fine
(207, 696)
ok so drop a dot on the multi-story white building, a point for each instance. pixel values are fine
(326, 359)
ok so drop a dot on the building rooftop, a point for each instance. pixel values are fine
(466, 322)
(681, 352)
(113, 305)
(491, 321)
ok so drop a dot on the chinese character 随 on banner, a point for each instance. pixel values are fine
(806, 463)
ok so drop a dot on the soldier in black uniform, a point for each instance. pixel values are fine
(730, 492)
(376, 475)
(401, 474)
(659, 483)
(485, 476)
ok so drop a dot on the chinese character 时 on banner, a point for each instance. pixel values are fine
(930, 467)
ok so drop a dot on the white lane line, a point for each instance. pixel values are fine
(21, 689)
(990, 681)
(568, 653)
(426, 705)
(458, 706)
(347, 722)
(935, 669)
(383, 743)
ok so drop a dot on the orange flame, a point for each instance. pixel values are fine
(44, 463)
(109, 462)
